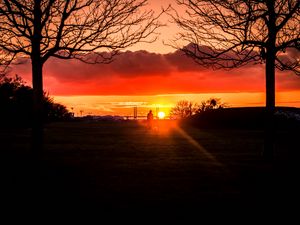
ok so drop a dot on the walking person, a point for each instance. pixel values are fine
(150, 119)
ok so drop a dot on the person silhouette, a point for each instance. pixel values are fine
(150, 119)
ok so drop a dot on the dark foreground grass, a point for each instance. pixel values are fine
(123, 171)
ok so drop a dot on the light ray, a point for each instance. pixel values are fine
(198, 146)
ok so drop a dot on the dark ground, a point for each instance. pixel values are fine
(120, 171)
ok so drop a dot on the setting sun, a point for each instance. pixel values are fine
(161, 115)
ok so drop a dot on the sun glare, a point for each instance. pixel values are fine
(161, 115)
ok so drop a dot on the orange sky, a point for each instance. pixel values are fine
(123, 105)
(151, 75)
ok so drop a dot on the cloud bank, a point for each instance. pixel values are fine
(145, 73)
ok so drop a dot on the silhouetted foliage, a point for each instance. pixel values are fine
(183, 109)
(230, 34)
(92, 31)
(210, 104)
(16, 101)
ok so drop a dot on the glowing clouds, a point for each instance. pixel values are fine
(145, 73)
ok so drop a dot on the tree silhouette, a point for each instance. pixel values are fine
(65, 29)
(233, 33)
(183, 109)
(210, 104)
(16, 100)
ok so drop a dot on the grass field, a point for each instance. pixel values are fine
(171, 172)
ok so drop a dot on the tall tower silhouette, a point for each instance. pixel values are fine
(135, 112)
(156, 112)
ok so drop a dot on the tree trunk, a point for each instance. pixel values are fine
(268, 151)
(270, 106)
(37, 81)
(37, 125)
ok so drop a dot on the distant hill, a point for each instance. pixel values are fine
(246, 117)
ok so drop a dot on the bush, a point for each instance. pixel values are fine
(16, 100)
(183, 109)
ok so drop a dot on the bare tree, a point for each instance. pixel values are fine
(233, 33)
(65, 29)
(210, 104)
(183, 109)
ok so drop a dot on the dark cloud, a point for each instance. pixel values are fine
(127, 64)
(182, 63)
(144, 72)
(141, 63)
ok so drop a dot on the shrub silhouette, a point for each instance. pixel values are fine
(16, 101)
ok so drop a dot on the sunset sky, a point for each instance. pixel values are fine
(154, 75)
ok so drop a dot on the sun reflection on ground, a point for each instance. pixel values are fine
(160, 126)
(198, 146)
(168, 128)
